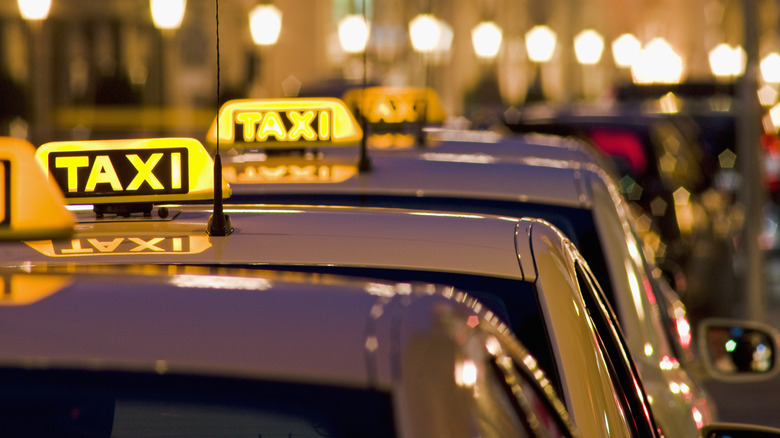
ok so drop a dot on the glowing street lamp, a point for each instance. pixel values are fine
(770, 68)
(265, 24)
(625, 50)
(353, 33)
(486, 38)
(540, 43)
(35, 10)
(657, 63)
(588, 47)
(425, 31)
(727, 62)
(167, 14)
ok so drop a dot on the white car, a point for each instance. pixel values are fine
(527, 275)
(558, 179)
(171, 353)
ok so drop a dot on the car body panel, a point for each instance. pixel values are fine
(531, 169)
(304, 329)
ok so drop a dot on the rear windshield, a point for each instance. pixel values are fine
(96, 405)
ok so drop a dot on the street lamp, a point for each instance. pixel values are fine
(265, 24)
(588, 47)
(35, 10)
(770, 68)
(486, 38)
(424, 32)
(727, 61)
(353, 33)
(657, 63)
(625, 50)
(540, 44)
(167, 14)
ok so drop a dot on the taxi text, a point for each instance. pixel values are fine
(284, 126)
(136, 172)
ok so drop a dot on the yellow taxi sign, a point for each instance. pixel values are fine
(396, 105)
(285, 123)
(31, 207)
(151, 170)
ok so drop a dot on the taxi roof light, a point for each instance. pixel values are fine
(138, 172)
(284, 123)
(395, 117)
(31, 207)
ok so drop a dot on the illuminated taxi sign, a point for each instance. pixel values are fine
(285, 123)
(130, 171)
(31, 207)
(124, 245)
(396, 105)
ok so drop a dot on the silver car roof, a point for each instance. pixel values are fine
(345, 236)
(455, 166)
(296, 327)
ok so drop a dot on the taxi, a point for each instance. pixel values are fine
(558, 179)
(150, 351)
(527, 277)
(524, 276)
(163, 349)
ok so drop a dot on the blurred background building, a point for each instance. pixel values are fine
(79, 54)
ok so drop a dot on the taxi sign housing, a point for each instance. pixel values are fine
(153, 170)
(284, 123)
(30, 206)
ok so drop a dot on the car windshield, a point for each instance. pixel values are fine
(96, 405)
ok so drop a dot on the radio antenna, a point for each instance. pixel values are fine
(219, 222)
(364, 165)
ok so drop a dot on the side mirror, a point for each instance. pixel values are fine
(731, 430)
(739, 351)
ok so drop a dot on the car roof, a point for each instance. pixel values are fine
(506, 168)
(346, 236)
(279, 326)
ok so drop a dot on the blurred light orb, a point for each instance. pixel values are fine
(265, 24)
(588, 47)
(486, 38)
(34, 9)
(770, 68)
(540, 43)
(727, 61)
(625, 50)
(167, 14)
(353, 33)
(424, 32)
(657, 63)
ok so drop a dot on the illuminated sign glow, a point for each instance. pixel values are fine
(23, 289)
(288, 173)
(285, 123)
(94, 246)
(394, 105)
(125, 171)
